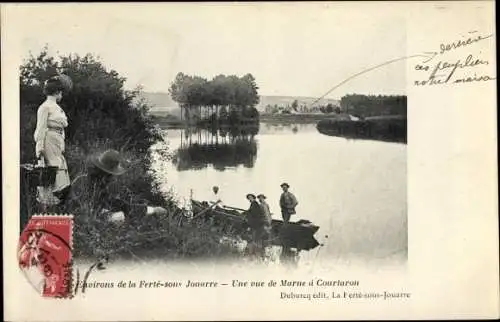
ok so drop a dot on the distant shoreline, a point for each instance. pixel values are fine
(299, 118)
(166, 120)
(391, 128)
(162, 101)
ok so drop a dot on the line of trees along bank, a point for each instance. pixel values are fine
(382, 118)
(226, 99)
(390, 129)
(373, 105)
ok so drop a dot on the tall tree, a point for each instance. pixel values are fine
(235, 93)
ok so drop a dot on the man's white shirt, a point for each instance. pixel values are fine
(215, 198)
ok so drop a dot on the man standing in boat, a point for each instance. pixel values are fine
(288, 202)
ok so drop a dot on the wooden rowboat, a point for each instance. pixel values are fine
(298, 235)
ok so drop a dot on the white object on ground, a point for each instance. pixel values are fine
(117, 216)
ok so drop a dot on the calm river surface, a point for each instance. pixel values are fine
(355, 190)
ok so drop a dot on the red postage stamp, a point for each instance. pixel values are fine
(45, 254)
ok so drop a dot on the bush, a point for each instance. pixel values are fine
(392, 129)
(251, 113)
(374, 105)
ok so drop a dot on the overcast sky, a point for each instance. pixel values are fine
(291, 49)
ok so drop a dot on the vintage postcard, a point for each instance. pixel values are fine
(249, 161)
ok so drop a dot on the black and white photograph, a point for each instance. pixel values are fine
(185, 147)
(239, 148)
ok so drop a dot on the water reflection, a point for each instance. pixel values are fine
(286, 128)
(361, 208)
(222, 148)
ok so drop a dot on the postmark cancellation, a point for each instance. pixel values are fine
(45, 254)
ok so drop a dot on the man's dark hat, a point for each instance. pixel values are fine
(285, 184)
(261, 195)
(250, 194)
(109, 161)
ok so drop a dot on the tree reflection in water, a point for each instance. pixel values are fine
(226, 147)
(286, 127)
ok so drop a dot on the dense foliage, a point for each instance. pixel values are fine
(373, 105)
(228, 97)
(98, 107)
(383, 128)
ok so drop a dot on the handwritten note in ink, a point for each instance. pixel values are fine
(457, 62)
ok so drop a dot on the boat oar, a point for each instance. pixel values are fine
(204, 211)
(234, 208)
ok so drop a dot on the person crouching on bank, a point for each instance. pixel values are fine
(99, 189)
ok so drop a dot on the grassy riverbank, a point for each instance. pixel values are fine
(382, 128)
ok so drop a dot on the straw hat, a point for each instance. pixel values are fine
(109, 161)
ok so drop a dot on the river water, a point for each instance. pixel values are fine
(355, 190)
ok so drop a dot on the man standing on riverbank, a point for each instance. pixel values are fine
(265, 208)
(288, 202)
(267, 218)
(257, 223)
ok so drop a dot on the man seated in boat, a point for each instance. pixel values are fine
(216, 198)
